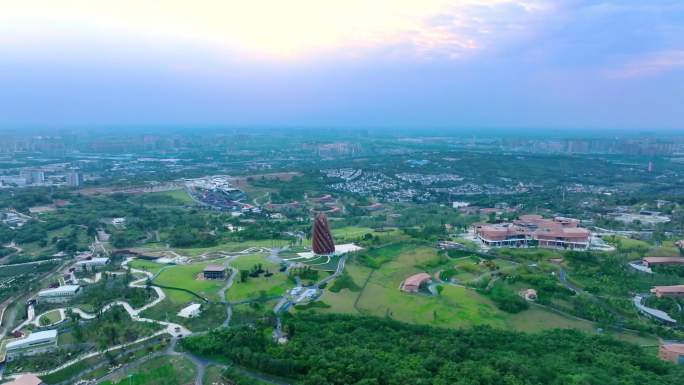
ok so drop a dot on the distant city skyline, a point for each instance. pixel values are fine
(429, 64)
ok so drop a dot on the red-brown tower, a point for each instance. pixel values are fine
(321, 239)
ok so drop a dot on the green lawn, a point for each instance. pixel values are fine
(231, 247)
(163, 370)
(211, 315)
(455, 307)
(186, 277)
(246, 261)
(141, 264)
(52, 316)
(213, 376)
(180, 195)
(355, 232)
(274, 285)
(350, 234)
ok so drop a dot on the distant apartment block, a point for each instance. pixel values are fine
(74, 179)
(33, 176)
(534, 231)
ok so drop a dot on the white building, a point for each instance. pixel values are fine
(339, 250)
(93, 262)
(33, 176)
(59, 294)
(35, 343)
(74, 179)
(191, 311)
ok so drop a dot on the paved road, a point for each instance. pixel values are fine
(285, 302)
(563, 276)
(170, 328)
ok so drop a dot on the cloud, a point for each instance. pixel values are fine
(651, 64)
(294, 28)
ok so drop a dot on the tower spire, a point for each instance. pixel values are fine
(322, 241)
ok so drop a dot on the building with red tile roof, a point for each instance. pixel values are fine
(532, 231)
(27, 379)
(673, 352)
(668, 291)
(412, 283)
(654, 261)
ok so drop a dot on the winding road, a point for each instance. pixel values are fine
(173, 329)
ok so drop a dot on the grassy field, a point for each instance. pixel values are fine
(261, 286)
(211, 315)
(185, 276)
(231, 247)
(355, 232)
(455, 307)
(141, 264)
(52, 317)
(350, 234)
(213, 376)
(161, 371)
(537, 318)
(539, 254)
(180, 195)
(378, 256)
(628, 244)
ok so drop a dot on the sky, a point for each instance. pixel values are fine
(504, 64)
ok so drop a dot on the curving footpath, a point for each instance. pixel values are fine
(170, 328)
(173, 329)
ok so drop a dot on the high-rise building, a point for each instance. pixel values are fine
(74, 179)
(33, 176)
(321, 238)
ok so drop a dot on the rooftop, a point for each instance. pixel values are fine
(60, 289)
(27, 379)
(668, 289)
(189, 310)
(33, 337)
(417, 279)
(214, 268)
(674, 347)
(663, 260)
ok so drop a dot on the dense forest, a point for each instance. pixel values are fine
(340, 349)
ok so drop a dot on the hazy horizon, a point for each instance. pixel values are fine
(430, 65)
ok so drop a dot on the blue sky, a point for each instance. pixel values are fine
(561, 65)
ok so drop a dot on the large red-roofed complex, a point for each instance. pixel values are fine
(673, 352)
(664, 261)
(412, 283)
(534, 231)
(27, 379)
(668, 291)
